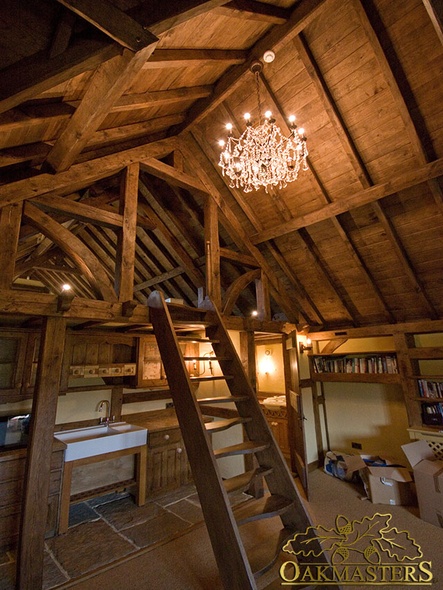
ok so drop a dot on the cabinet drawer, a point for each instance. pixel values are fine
(164, 437)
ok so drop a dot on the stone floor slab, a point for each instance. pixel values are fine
(156, 529)
(124, 513)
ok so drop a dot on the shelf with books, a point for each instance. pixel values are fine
(359, 367)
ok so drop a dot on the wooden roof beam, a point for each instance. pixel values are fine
(172, 175)
(364, 197)
(435, 11)
(108, 83)
(81, 175)
(252, 10)
(238, 258)
(34, 74)
(115, 23)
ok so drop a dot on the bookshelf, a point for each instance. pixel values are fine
(370, 367)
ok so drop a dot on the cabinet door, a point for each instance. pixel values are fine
(12, 362)
(150, 372)
(279, 429)
(167, 462)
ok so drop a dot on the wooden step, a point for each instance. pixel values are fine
(267, 507)
(242, 481)
(244, 448)
(219, 425)
(196, 340)
(212, 378)
(206, 358)
(265, 555)
(223, 400)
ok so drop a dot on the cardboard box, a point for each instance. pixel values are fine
(389, 485)
(343, 466)
(428, 474)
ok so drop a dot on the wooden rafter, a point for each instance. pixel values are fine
(180, 58)
(233, 292)
(435, 11)
(364, 197)
(115, 23)
(259, 11)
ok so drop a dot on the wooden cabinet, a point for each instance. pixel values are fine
(108, 356)
(278, 421)
(167, 462)
(12, 470)
(18, 364)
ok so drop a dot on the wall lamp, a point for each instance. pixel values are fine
(307, 346)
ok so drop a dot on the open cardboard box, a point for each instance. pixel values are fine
(428, 474)
(385, 481)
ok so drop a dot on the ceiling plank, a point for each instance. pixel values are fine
(301, 16)
(115, 23)
(82, 257)
(364, 197)
(353, 156)
(35, 74)
(108, 83)
(125, 256)
(81, 175)
(180, 58)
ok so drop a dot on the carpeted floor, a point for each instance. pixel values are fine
(165, 546)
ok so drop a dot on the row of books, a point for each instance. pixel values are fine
(433, 389)
(386, 363)
(432, 414)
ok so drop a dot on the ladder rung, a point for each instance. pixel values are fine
(269, 506)
(223, 400)
(218, 425)
(244, 448)
(207, 358)
(196, 339)
(212, 378)
(244, 480)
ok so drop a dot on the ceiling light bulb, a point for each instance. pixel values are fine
(268, 114)
(247, 116)
(229, 126)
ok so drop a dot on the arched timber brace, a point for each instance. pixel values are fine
(237, 287)
(83, 258)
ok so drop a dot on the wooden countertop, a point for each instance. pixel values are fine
(157, 420)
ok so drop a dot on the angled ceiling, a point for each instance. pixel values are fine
(87, 88)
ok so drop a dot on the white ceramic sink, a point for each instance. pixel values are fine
(101, 439)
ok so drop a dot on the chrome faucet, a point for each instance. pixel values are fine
(107, 417)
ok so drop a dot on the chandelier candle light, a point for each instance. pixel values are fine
(262, 156)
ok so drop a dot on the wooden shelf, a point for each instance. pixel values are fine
(358, 377)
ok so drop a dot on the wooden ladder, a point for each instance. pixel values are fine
(222, 521)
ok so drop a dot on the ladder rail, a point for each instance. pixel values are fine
(228, 547)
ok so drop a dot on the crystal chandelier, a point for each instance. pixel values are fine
(262, 156)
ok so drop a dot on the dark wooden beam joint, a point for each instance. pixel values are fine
(128, 308)
(64, 301)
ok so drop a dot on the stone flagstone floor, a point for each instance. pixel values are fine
(106, 529)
